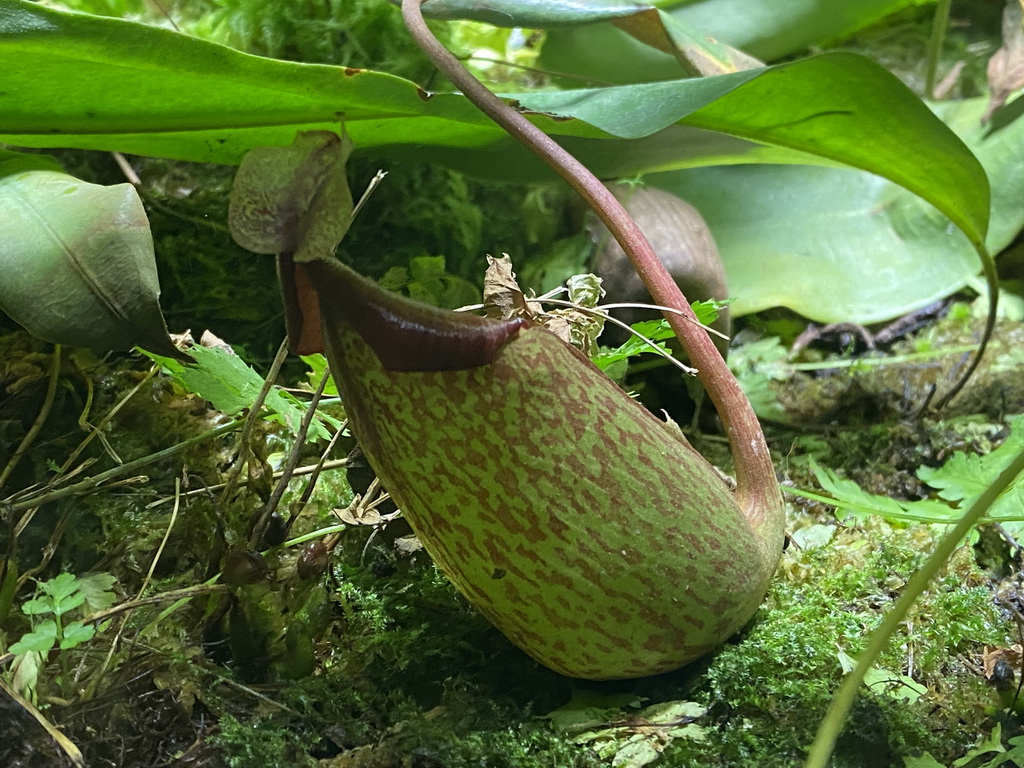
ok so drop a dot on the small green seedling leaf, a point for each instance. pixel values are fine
(39, 640)
(900, 687)
(76, 633)
(60, 586)
(426, 279)
(38, 606)
(636, 739)
(67, 603)
(587, 709)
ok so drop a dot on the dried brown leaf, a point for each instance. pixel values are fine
(1006, 67)
(503, 298)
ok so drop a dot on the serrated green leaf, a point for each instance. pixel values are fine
(965, 476)
(317, 367)
(847, 495)
(654, 330)
(961, 479)
(232, 386)
(40, 640)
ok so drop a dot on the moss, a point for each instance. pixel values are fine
(768, 692)
(259, 742)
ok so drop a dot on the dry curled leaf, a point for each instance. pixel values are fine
(503, 298)
(1006, 67)
(993, 655)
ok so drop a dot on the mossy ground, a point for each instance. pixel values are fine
(378, 662)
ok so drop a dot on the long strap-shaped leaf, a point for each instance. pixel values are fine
(151, 91)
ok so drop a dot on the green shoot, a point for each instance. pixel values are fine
(53, 602)
(656, 331)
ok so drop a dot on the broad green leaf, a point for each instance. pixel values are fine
(841, 107)
(784, 27)
(151, 91)
(77, 259)
(539, 14)
(767, 30)
(838, 245)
